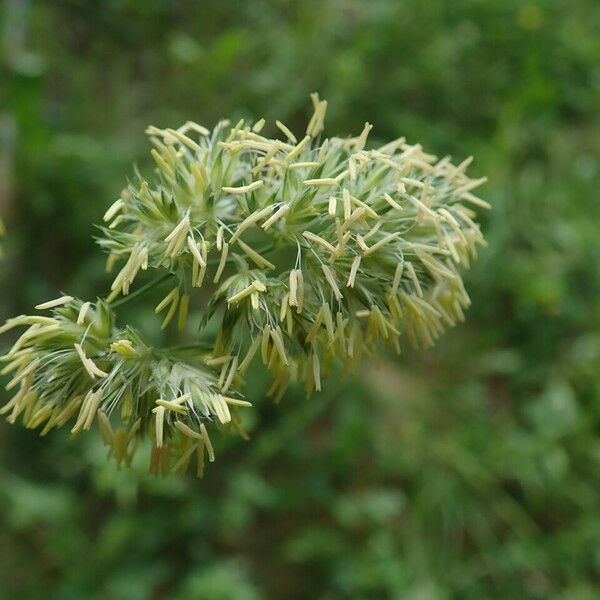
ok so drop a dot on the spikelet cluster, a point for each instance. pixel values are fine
(75, 367)
(314, 250)
(309, 251)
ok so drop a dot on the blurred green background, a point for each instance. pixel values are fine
(470, 471)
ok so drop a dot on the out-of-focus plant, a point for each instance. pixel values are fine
(2, 233)
(318, 251)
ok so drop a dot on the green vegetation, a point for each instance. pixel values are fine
(467, 471)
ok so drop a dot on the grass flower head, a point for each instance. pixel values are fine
(312, 252)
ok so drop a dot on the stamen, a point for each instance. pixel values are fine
(353, 271)
(83, 312)
(54, 303)
(331, 280)
(286, 132)
(244, 189)
(222, 262)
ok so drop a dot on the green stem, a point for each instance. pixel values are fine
(141, 291)
(199, 345)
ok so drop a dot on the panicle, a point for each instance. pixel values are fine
(312, 253)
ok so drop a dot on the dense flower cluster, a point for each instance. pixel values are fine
(76, 366)
(315, 251)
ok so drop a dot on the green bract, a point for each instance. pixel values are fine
(313, 251)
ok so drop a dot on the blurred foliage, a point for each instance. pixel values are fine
(468, 472)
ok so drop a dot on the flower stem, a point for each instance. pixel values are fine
(141, 291)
